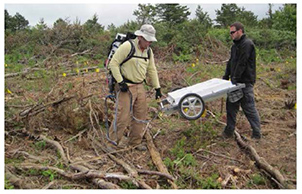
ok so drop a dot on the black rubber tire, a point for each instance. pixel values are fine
(197, 108)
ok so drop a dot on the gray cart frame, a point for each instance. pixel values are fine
(190, 101)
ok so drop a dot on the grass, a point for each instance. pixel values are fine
(13, 68)
(191, 177)
(8, 185)
(50, 174)
(40, 145)
(14, 161)
(127, 185)
(200, 71)
(179, 156)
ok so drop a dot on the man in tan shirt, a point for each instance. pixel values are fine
(130, 77)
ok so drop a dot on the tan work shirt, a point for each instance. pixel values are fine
(135, 69)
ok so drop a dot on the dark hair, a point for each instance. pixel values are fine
(238, 26)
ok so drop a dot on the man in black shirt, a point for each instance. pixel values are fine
(241, 68)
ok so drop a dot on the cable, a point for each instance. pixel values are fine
(112, 97)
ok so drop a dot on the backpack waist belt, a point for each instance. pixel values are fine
(131, 82)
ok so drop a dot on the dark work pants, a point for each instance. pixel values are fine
(247, 103)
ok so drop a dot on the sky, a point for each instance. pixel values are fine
(116, 13)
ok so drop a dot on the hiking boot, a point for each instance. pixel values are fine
(123, 143)
(227, 135)
(141, 147)
(256, 136)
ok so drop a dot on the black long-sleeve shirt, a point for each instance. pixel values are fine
(241, 67)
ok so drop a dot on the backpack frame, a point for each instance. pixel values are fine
(119, 40)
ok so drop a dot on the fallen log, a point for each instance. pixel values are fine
(39, 108)
(101, 183)
(27, 155)
(168, 176)
(219, 155)
(132, 172)
(85, 173)
(57, 145)
(262, 163)
(14, 180)
(48, 185)
(226, 180)
(157, 159)
(140, 171)
(259, 161)
(23, 73)
(82, 53)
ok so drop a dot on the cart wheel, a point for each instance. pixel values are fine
(191, 106)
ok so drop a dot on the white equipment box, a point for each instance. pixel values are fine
(190, 100)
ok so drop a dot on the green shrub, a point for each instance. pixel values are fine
(127, 185)
(178, 149)
(257, 179)
(210, 182)
(272, 39)
(50, 174)
(182, 42)
(222, 35)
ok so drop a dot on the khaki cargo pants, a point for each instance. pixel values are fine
(124, 119)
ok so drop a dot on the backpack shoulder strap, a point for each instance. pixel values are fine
(149, 53)
(130, 55)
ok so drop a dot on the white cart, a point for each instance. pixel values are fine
(189, 101)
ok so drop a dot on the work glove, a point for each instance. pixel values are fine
(123, 86)
(158, 94)
(225, 77)
(234, 82)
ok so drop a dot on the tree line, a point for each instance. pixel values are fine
(174, 14)
(181, 36)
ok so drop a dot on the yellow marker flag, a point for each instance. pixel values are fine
(8, 91)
